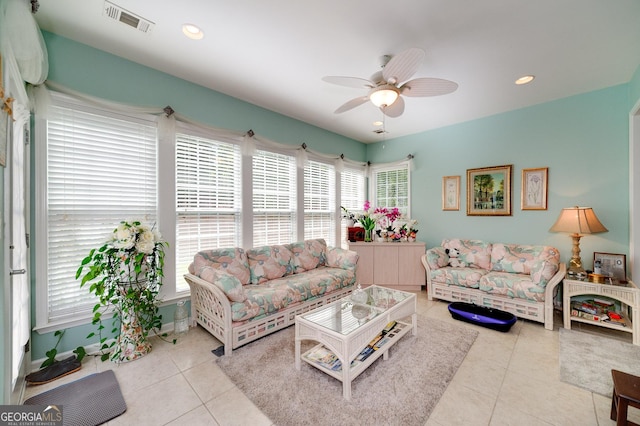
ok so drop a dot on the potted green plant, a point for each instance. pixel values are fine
(125, 274)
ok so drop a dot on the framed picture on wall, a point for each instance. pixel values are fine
(534, 189)
(612, 265)
(451, 193)
(489, 191)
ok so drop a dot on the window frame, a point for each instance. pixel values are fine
(374, 172)
(332, 200)
(212, 136)
(43, 321)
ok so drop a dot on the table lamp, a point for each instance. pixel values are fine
(577, 221)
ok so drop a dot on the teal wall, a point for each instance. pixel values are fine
(94, 72)
(583, 140)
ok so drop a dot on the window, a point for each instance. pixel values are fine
(319, 201)
(274, 198)
(390, 187)
(208, 199)
(352, 194)
(99, 168)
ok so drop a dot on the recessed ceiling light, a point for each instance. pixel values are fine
(525, 79)
(378, 123)
(192, 32)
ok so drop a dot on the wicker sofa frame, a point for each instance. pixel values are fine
(522, 308)
(211, 308)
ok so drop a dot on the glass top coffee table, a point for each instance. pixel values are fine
(355, 331)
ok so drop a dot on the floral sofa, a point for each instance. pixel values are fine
(241, 295)
(515, 278)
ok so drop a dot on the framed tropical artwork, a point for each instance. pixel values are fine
(489, 191)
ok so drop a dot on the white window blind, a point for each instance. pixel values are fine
(319, 201)
(208, 199)
(352, 190)
(274, 198)
(391, 186)
(101, 169)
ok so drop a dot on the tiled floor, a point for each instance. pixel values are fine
(506, 379)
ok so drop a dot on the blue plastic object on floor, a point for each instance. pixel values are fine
(494, 319)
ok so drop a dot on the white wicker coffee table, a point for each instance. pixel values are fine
(346, 327)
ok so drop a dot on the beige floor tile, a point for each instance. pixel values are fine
(142, 372)
(461, 405)
(481, 375)
(208, 380)
(508, 415)
(602, 406)
(534, 365)
(198, 417)
(158, 404)
(545, 397)
(432, 422)
(193, 349)
(494, 348)
(234, 408)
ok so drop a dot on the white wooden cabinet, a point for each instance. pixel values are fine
(395, 265)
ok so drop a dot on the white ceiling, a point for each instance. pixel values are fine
(274, 53)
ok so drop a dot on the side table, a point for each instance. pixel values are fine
(627, 294)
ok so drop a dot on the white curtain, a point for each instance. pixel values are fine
(25, 59)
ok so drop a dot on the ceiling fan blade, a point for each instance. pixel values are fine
(402, 66)
(428, 87)
(351, 104)
(358, 83)
(395, 109)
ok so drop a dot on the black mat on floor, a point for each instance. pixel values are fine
(219, 351)
(90, 401)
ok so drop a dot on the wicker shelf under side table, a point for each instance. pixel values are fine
(628, 294)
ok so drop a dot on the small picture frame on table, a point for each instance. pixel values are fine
(612, 265)
(451, 193)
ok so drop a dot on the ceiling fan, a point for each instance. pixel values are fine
(387, 87)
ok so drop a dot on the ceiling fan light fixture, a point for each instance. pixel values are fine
(192, 31)
(384, 95)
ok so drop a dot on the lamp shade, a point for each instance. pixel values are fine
(578, 220)
(383, 95)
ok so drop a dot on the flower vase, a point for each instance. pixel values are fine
(131, 344)
(367, 235)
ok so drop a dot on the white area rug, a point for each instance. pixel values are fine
(586, 360)
(402, 390)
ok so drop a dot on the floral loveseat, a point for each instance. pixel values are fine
(515, 278)
(241, 295)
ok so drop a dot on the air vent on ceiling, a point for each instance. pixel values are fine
(115, 12)
(379, 131)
